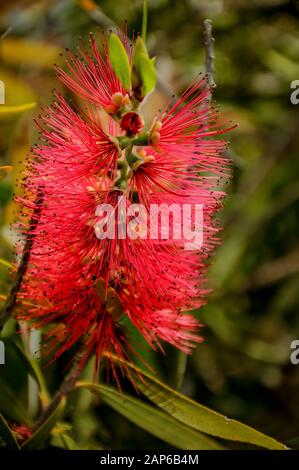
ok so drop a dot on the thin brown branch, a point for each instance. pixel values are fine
(66, 387)
(209, 49)
(10, 303)
(274, 271)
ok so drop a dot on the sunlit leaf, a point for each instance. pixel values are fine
(152, 419)
(120, 61)
(18, 99)
(5, 263)
(10, 111)
(199, 416)
(147, 73)
(16, 51)
(144, 67)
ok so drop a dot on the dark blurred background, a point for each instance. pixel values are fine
(243, 368)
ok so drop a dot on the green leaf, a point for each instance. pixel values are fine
(39, 437)
(19, 98)
(18, 52)
(120, 61)
(147, 73)
(4, 170)
(10, 327)
(11, 405)
(179, 369)
(139, 48)
(7, 112)
(14, 383)
(67, 442)
(60, 436)
(16, 361)
(5, 263)
(22, 357)
(198, 416)
(7, 435)
(35, 371)
(144, 67)
(152, 419)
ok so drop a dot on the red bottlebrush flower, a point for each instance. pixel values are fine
(21, 431)
(131, 123)
(80, 147)
(91, 76)
(88, 268)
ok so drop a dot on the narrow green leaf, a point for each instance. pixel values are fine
(179, 369)
(21, 356)
(10, 327)
(139, 48)
(5, 263)
(36, 373)
(198, 416)
(11, 111)
(147, 73)
(144, 67)
(153, 420)
(67, 442)
(17, 360)
(204, 419)
(14, 382)
(7, 435)
(120, 61)
(61, 438)
(11, 405)
(39, 437)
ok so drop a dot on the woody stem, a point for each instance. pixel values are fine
(66, 387)
(11, 300)
(209, 50)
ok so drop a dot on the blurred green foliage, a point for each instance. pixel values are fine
(242, 369)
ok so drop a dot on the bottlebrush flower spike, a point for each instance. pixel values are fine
(93, 263)
(89, 74)
(79, 147)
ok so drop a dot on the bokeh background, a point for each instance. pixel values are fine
(243, 368)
